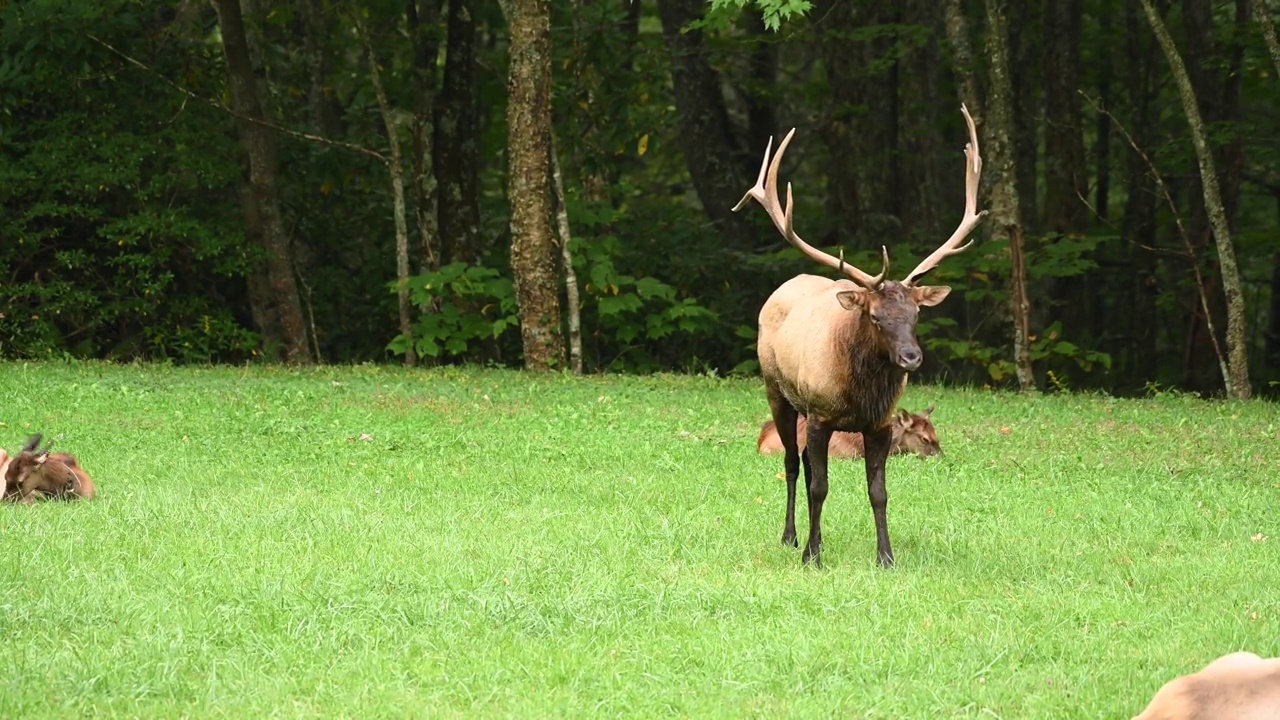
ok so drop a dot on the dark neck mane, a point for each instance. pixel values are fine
(873, 383)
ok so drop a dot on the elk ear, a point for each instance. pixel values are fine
(930, 295)
(929, 410)
(852, 299)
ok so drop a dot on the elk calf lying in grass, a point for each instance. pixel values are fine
(1239, 686)
(912, 433)
(34, 474)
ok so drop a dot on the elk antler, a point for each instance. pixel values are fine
(765, 192)
(972, 172)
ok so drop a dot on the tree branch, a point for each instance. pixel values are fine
(1182, 231)
(209, 101)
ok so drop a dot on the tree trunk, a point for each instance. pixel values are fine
(926, 158)
(566, 259)
(715, 162)
(1027, 17)
(1237, 341)
(425, 44)
(1272, 349)
(1006, 210)
(758, 91)
(1268, 32)
(457, 145)
(320, 99)
(533, 249)
(396, 169)
(860, 126)
(259, 145)
(1065, 185)
(961, 43)
(1139, 222)
(1102, 146)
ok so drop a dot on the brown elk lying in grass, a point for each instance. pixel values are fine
(912, 433)
(838, 351)
(1241, 686)
(34, 474)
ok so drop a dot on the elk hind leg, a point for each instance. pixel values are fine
(784, 420)
(816, 445)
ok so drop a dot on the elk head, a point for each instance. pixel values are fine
(892, 306)
(916, 434)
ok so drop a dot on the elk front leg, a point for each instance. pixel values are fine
(816, 446)
(877, 448)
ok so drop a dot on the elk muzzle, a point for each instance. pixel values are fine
(908, 357)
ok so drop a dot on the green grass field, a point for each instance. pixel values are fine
(373, 542)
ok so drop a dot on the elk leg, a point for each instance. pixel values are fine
(784, 421)
(815, 450)
(877, 445)
(808, 472)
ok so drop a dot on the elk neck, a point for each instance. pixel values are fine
(873, 384)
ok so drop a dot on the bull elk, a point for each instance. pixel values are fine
(838, 351)
(912, 433)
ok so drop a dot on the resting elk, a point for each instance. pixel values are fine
(36, 473)
(912, 433)
(838, 351)
(1241, 685)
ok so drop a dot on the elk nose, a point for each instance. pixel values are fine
(909, 359)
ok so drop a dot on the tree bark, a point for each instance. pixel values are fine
(1268, 32)
(1272, 349)
(1237, 345)
(860, 126)
(758, 90)
(324, 112)
(927, 160)
(457, 145)
(1065, 185)
(533, 250)
(1102, 147)
(425, 45)
(259, 145)
(1006, 212)
(706, 137)
(1139, 222)
(1026, 17)
(396, 169)
(961, 43)
(566, 259)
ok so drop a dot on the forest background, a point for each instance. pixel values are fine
(549, 184)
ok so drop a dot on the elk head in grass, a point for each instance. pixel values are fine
(37, 473)
(838, 351)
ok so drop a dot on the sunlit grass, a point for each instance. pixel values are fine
(373, 542)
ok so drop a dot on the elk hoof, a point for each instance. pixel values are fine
(886, 560)
(813, 559)
(789, 538)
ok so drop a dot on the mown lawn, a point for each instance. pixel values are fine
(373, 542)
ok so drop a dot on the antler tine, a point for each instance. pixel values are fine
(765, 192)
(757, 190)
(972, 174)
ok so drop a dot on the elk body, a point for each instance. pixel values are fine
(912, 433)
(838, 351)
(36, 473)
(1241, 686)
